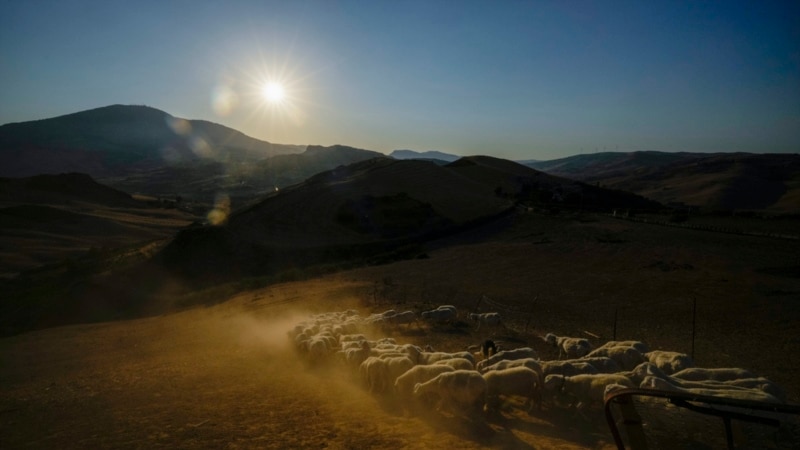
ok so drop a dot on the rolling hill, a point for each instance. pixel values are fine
(47, 219)
(719, 181)
(143, 150)
(118, 139)
(373, 207)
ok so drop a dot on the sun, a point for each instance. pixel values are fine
(273, 92)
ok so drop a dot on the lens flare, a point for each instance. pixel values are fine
(224, 100)
(222, 208)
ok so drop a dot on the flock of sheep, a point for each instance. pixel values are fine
(477, 379)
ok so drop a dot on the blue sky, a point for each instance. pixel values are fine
(514, 79)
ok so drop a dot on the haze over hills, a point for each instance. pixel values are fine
(717, 181)
(430, 155)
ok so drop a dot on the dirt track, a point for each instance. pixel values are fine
(221, 377)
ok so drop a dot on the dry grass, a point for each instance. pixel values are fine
(223, 376)
(29, 242)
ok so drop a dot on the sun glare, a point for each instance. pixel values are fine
(273, 92)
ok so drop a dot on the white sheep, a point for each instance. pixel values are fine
(404, 384)
(569, 346)
(601, 363)
(403, 318)
(716, 374)
(517, 353)
(651, 382)
(669, 362)
(455, 390)
(353, 357)
(530, 363)
(351, 338)
(626, 357)
(520, 381)
(440, 315)
(380, 373)
(638, 345)
(568, 367)
(489, 319)
(761, 383)
(589, 390)
(648, 369)
(457, 363)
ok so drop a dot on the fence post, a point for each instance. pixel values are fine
(694, 323)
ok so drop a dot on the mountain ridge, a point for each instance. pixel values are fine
(107, 140)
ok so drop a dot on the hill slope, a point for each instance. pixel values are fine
(713, 181)
(374, 206)
(46, 219)
(117, 139)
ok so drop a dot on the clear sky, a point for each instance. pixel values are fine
(514, 79)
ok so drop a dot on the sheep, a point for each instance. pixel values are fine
(669, 362)
(530, 363)
(760, 383)
(601, 363)
(568, 346)
(490, 319)
(455, 390)
(403, 318)
(568, 367)
(517, 353)
(626, 357)
(445, 315)
(318, 349)
(652, 382)
(716, 374)
(404, 384)
(644, 370)
(638, 345)
(353, 357)
(456, 363)
(351, 338)
(488, 348)
(520, 381)
(379, 373)
(589, 390)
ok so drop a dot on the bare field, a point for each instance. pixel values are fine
(47, 234)
(224, 376)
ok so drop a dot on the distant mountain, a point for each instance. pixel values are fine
(726, 181)
(425, 156)
(117, 140)
(372, 207)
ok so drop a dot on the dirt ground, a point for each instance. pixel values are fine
(225, 376)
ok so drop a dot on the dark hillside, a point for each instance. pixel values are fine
(119, 139)
(718, 181)
(61, 188)
(353, 211)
